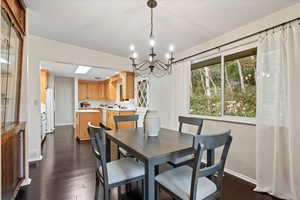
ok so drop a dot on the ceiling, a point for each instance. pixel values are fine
(112, 25)
(67, 70)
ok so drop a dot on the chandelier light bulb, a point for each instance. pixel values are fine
(134, 55)
(132, 47)
(152, 42)
(150, 58)
(171, 48)
(167, 56)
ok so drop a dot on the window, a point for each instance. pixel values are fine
(206, 91)
(225, 88)
(240, 84)
(142, 88)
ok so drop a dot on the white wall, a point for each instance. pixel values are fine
(64, 101)
(42, 49)
(242, 157)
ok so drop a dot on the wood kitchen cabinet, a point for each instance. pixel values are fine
(43, 84)
(101, 90)
(97, 90)
(111, 89)
(82, 90)
(82, 120)
(127, 80)
(110, 119)
(91, 90)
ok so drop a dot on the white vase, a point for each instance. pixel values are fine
(152, 123)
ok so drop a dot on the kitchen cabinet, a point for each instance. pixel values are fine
(97, 90)
(101, 90)
(127, 80)
(43, 84)
(93, 91)
(82, 120)
(111, 89)
(82, 90)
(110, 119)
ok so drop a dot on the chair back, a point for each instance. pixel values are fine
(191, 121)
(97, 140)
(125, 118)
(104, 127)
(215, 171)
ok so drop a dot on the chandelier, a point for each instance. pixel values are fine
(153, 66)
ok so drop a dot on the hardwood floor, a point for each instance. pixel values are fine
(67, 172)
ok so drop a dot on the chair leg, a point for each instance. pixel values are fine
(157, 191)
(119, 192)
(119, 153)
(96, 188)
(106, 193)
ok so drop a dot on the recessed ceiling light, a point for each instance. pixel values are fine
(82, 69)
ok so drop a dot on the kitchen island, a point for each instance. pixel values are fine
(83, 117)
(96, 115)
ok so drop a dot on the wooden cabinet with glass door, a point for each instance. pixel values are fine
(12, 130)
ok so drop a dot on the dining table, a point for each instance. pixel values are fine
(152, 151)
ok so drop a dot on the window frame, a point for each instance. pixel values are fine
(138, 79)
(223, 117)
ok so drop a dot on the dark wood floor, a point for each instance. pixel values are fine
(67, 172)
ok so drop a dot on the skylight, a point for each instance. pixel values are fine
(82, 69)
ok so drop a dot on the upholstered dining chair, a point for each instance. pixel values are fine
(197, 183)
(124, 118)
(198, 122)
(115, 173)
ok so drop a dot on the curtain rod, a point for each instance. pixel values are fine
(237, 40)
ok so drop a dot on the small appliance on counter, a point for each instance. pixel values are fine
(85, 105)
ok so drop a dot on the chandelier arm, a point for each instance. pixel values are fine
(163, 65)
(140, 66)
(160, 68)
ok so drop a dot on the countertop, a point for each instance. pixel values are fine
(113, 109)
(87, 111)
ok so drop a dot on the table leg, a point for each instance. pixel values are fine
(149, 185)
(108, 150)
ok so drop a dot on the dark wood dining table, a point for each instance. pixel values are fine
(153, 151)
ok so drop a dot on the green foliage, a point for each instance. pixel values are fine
(239, 89)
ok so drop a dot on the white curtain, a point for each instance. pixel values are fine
(180, 81)
(278, 112)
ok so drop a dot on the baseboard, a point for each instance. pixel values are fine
(65, 124)
(241, 176)
(237, 174)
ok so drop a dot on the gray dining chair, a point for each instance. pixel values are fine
(115, 173)
(189, 121)
(196, 183)
(124, 118)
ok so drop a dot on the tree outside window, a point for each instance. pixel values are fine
(238, 89)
